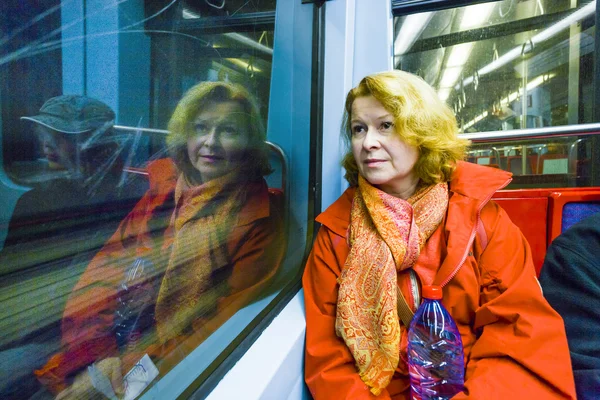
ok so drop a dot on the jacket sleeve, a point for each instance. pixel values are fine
(330, 371)
(522, 348)
(87, 327)
(571, 280)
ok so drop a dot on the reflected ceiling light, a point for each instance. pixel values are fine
(561, 25)
(444, 93)
(412, 27)
(189, 14)
(540, 6)
(473, 16)
(450, 76)
(512, 97)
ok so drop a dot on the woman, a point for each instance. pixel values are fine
(198, 246)
(412, 217)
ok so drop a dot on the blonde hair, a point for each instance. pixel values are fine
(180, 126)
(421, 119)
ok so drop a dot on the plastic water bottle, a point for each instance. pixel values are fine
(435, 350)
(135, 303)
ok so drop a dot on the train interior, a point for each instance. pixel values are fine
(520, 75)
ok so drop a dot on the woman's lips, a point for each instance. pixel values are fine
(52, 157)
(211, 158)
(373, 162)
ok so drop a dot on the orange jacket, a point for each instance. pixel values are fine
(514, 342)
(255, 248)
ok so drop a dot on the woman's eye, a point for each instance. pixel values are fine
(357, 129)
(201, 128)
(387, 125)
(229, 130)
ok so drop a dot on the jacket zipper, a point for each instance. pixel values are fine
(473, 232)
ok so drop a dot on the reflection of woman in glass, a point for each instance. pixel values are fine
(201, 243)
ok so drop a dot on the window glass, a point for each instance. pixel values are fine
(143, 210)
(506, 64)
(557, 161)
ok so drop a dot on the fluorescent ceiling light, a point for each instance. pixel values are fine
(444, 93)
(412, 27)
(473, 16)
(512, 97)
(189, 14)
(450, 76)
(459, 54)
(561, 25)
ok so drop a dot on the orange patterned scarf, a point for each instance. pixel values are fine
(203, 218)
(386, 235)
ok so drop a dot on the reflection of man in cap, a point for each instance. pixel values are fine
(56, 229)
(65, 122)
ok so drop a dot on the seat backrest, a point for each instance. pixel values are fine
(542, 214)
(553, 164)
(575, 212)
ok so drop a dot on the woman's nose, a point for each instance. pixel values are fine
(211, 139)
(371, 139)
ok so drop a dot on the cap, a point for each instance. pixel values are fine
(432, 292)
(73, 114)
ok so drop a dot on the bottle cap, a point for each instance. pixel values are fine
(432, 292)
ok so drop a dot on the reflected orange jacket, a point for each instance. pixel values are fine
(255, 247)
(514, 343)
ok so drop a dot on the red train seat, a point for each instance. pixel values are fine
(539, 213)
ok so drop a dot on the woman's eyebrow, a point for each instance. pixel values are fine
(384, 116)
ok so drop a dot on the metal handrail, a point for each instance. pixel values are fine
(136, 129)
(534, 132)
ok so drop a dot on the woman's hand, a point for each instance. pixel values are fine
(82, 387)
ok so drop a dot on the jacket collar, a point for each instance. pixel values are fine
(471, 186)
(478, 182)
(163, 175)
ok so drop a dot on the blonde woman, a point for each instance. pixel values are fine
(414, 215)
(205, 234)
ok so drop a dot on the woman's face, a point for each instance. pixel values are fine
(382, 157)
(220, 139)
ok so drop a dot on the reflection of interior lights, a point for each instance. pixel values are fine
(546, 34)
(411, 29)
(450, 76)
(188, 14)
(473, 16)
(244, 64)
(512, 97)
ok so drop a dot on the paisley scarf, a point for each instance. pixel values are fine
(386, 236)
(203, 219)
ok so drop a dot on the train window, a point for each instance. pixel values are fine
(504, 65)
(556, 161)
(151, 211)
